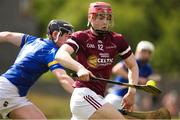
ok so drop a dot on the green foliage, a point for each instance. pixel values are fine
(167, 51)
(45, 10)
(153, 20)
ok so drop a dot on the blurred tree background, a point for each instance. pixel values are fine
(153, 20)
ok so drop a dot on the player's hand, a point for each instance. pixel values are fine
(84, 74)
(142, 81)
(129, 99)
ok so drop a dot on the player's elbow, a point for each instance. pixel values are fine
(62, 56)
(59, 56)
(65, 79)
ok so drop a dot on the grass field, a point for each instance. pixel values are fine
(54, 107)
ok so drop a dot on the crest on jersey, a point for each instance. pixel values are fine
(92, 61)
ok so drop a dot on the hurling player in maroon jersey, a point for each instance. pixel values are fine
(96, 49)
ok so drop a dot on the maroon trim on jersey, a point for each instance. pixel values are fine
(127, 54)
(122, 44)
(93, 102)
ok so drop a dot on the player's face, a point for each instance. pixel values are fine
(62, 39)
(101, 21)
(144, 55)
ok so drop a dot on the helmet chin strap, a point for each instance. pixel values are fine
(99, 32)
(57, 37)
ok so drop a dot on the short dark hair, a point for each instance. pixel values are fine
(59, 25)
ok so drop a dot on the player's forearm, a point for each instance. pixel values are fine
(142, 80)
(65, 80)
(66, 83)
(65, 59)
(133, 71)
(133, 76)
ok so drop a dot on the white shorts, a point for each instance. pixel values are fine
(115, 100)
(84, 102)
(9, 98)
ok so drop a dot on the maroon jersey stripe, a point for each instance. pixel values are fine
(93, 102)
(86, 98)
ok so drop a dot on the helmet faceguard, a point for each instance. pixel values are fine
(100, 10)
(60, 26)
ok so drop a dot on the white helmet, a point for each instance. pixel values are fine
(145, 45)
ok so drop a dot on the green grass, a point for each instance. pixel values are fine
(54, 107)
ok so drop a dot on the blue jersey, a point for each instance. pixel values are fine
(145, 70)
(35, 58)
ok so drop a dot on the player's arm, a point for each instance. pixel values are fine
(65, 80)
(133, 73)
(57, 69)
(142, 80)
(11, 37)
(155, 77)
(118, 69)
(63, 56)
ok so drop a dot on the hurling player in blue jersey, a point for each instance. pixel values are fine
(143, 54)
(35, 58)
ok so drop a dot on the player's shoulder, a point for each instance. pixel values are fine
(29, 38)
(47, 47)
(80, 34)
(146, 65)
(33, 40)
(44, 45)
(117, 36)
(48, 44)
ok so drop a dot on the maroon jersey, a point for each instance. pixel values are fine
(97, 54)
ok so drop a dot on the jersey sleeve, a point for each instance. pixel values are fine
(76, 40)
(27, 39)
(50, 61)
(123, 47)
